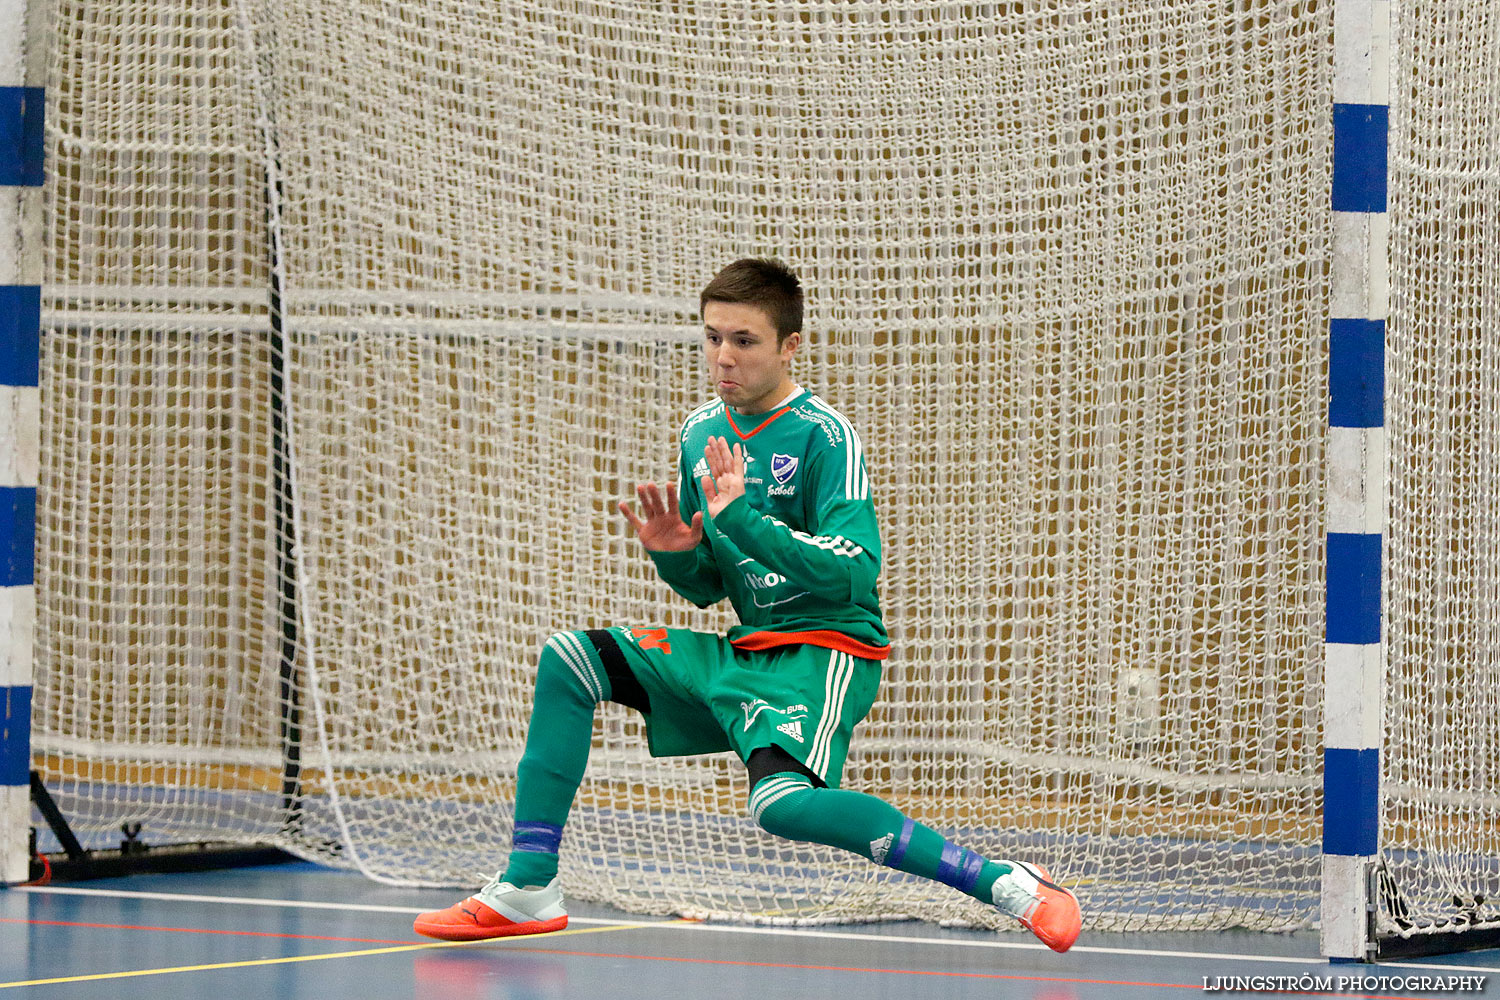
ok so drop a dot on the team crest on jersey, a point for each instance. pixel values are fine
(783, 467)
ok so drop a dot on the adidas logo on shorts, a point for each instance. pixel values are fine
(880, 848)
(792, 729)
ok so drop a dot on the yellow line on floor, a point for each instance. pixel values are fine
(309, 958)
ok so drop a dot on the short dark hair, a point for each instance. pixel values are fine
(762, 282)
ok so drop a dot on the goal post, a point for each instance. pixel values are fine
(1411, 812)
(1354, 664)
(352, 341)
(22, 52)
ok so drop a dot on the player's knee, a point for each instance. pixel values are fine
(565, 667)
(777, 803)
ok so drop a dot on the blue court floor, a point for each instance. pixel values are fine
(299, 931)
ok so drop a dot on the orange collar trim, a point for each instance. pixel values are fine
(729, 415)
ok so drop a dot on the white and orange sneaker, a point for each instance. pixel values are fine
(498, 910)
(1044, 908)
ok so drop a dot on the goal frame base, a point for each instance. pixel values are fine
(133, 857)
(1394, 946)
(164, 859)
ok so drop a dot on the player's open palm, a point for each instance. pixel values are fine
(662, 529)
(727, 479)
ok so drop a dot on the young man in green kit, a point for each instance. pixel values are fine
(772, 509)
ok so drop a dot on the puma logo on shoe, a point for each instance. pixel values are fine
(498, 910)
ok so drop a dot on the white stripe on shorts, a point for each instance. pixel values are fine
(835, 687)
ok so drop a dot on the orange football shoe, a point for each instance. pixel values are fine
(498, 910)
(1045, 908)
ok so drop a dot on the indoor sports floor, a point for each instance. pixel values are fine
(299, 931)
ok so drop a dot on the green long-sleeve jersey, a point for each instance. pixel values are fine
(799, 553)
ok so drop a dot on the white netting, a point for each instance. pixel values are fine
(1440, 830)
(1066, 266)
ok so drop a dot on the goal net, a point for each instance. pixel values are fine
(1440, 824)
(361, 316)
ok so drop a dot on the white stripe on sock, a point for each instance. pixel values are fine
(765, 789)
(789, 789)
(559, 646)
(572, 639)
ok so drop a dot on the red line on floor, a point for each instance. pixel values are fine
(852, 968)
(201, 930)
(680, 959)
(923, 972)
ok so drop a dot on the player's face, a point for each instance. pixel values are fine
(749, 370)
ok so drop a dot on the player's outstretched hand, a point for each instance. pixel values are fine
(727, 479)
(663, 529)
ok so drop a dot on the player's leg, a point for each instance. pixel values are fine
(571, 679)
(577, 670)
(785, 801)
(794, 740)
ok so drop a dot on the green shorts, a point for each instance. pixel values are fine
(707, 697)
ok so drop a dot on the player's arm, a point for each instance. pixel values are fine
(838, 558)
(672, 532)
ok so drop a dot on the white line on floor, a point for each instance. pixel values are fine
(295, 904)
(807, 932)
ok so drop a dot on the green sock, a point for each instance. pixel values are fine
(789, 806)
(569, 682)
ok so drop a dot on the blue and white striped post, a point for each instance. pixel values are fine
(1354, 660)
(20, 324)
